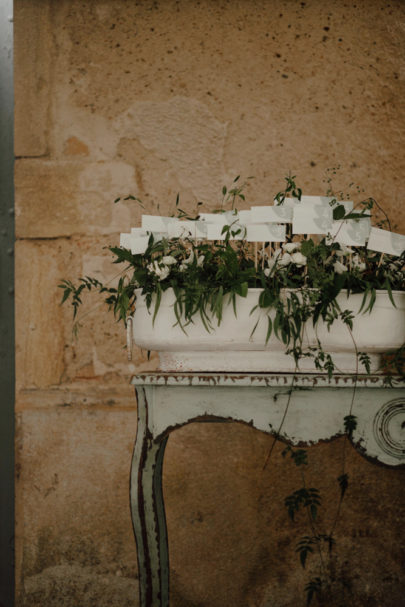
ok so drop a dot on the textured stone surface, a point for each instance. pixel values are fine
(32, 77)
(73, 469)
(154, 98)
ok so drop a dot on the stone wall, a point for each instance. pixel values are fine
(152, 98)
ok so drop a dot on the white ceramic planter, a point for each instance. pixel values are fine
(231, 347)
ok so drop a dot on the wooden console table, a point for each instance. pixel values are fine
(317, 407)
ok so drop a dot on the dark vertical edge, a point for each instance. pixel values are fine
(7, 366)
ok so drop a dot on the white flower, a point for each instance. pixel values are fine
(339, 267)
(284, 260)
(272, 262)
(298, 259)
(344, 250)
(360, 265)
(289, 247)
(200, 261)
(190, 258)
(161, 272)
(169, 260)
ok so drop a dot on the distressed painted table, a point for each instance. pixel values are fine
(313, 410)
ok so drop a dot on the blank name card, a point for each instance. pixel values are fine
(136, 244)
(272, 214)
(265, 232)
(214, 231)
(310, 219)
(244, 217)
(351, 232)
(384, 241)
(157, 223)
(221, 219)
(125, 240)
(187, 229)
(139, 244)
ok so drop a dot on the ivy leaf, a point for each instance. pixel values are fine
(313, 588)
(339, 212)
(304, 547)
(350, 424)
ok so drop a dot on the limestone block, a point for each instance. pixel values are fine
(32, 76)
(39, 319)
(47, 353)
(71, 197)
(72, 505)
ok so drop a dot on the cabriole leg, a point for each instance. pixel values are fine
(148, 515)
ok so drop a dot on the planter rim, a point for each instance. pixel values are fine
(258, 289)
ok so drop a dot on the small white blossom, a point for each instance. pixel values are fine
(284, 260)
(271, 262)
(189, 259)
(169, 260)
(161, 272)
(344, 250)
(339, 267)
(360, 265)
(200, 261)
(289, 247)
(298, 259)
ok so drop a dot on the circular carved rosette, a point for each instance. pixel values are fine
(389, 428)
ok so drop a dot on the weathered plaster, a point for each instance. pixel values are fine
(153, 98)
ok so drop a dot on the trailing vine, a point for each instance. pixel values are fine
(300, 283)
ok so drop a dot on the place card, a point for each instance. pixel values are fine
(244, 217)
(222, 219)
(187, 229)
(138, 232)
(272, 214)
(265, 232)
(384, 241)
(310, 219)
(139, 244)
(351, 232)
(136, 244)
(214, 231)
(157, 223)
(125, 241)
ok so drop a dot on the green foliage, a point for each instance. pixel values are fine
(306, 498)
(313, 588)
(207, 277)
(350, 424)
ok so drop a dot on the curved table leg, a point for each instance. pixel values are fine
(148, 515)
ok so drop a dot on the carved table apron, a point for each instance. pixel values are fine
(316, 409)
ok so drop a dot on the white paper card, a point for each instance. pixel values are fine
(125, 240)
(244, 217)
(187, 229)
(272, 214)
(310, 219)
(138, 232)
(386, 242)
(214, 231)
(288, 202)
(265, 232)
(351, 232)
(221, 219)
(157, 223)
(316, 200)
(139, 244)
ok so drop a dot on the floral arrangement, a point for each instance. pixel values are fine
(207, 274)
